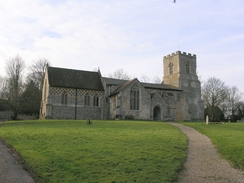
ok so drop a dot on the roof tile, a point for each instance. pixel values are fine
(69, 78)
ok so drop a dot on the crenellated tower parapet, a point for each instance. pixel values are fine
(180, 53)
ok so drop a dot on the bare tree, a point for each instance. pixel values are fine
(2, 83)
(214, 92)
(119, 74)
(157, 80)
(14, 84)
(144, 78)
(234, 97)
(37, 72)
(240, 108)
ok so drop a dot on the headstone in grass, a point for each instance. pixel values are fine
(89, 122)
(207, 122)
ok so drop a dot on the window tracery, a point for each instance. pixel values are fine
(134, 97)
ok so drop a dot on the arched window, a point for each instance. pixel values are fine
(187, 67)
(64, 97)
(171, 68)
(87, 100)
(95, 100)
(134, 97)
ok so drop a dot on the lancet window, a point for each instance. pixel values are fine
(64, 98)
(171, 68)
(95, 100)
(187, 68)
(134, 97)
(87, 100)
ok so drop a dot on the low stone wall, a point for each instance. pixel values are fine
(5, 115)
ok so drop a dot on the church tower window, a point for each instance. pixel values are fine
(64, 97)
(95, 100)
(87, 100)
(187, 68)
(134, 97)
(171, 68)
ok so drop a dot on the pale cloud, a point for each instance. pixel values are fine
(132, 35)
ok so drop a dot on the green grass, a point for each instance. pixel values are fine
(106, 151)
(228, 138)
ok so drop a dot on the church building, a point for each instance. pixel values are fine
(78, 94)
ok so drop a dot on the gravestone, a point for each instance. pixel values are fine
(89, 122)
(207, 122)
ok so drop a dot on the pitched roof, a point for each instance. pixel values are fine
(159, 86)
(69, 78)
(121, 87)
(121, 84)
(113, 81)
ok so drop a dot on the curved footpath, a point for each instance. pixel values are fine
(204, 164)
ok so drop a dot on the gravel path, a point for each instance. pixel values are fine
(204, 164)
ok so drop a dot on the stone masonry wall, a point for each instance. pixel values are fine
(120, 104)
(75, 107)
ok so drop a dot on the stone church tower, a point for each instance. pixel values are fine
(180, 71)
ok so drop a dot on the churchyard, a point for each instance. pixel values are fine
(113, 151)
(103, 151)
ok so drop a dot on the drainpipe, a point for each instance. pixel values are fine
(75, 103)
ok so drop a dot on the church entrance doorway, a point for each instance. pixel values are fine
(156, 114)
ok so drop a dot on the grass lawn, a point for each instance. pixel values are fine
(228, 138)
(106, 151)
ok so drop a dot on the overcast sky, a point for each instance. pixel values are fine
(133, 35)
